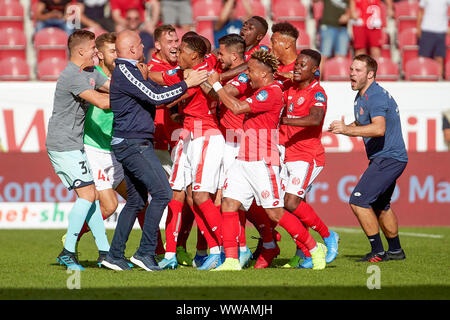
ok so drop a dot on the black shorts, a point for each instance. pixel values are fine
(376, 186)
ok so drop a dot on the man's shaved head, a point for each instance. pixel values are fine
(129, 45)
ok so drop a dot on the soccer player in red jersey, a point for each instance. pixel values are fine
(306, 103)
(255, 173)
(198, 154)
(367, 25)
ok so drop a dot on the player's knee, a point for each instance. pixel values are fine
(109, 208)
(200, 197)
(291, 203)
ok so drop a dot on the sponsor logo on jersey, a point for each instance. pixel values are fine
(243, 78)
(319, 97)
(265, 194)
(262, 95)
(171, 72)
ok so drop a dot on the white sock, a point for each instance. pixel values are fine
(243, 249)
(169, 255)
(269, 245)
(313, 249)
(214, 250)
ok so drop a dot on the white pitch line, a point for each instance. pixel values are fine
(412, 234)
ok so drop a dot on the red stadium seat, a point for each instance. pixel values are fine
(50, 69)
(257, 6)
(317, 8)
(13, 43)
(408, 46)
(337, 69)
(49, 43)
(303, 40)
(206, 10)
(447, 42)
(292, 11)
(405, 14)
(388, 70)
(266, 40)
(11, 14)
(422, 69)
(14, 69)
(386, 47)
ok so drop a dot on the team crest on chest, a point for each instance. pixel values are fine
(300, 101)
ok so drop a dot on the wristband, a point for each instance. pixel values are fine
(217, 86)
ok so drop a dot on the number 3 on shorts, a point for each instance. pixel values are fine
(83, 167)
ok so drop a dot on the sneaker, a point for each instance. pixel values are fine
(374, 257)
(318, 257)
(198, 260)
(293, 263)
(211, 262)
(400, 255)
(147, 262)
(70, 260)
(171, 263)
(115, 264)
(245, 257)
(229, 265)
(183, 257)
(266, 257)
(101, 256)
(331, 242)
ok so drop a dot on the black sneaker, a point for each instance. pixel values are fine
(374, 257)
(147, 262)
(115, 264)
(396, 255)
(101, 256)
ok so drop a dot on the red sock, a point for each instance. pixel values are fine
(205, 231)
(186, 225)
(258, 216)
(202, 245)
(242, 222)
(213, 219)
(83, 230)
(296, 229)
(310, 218)
(173, 223)
(230, 221)
(302, 247)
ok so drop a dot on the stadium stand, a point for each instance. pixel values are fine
(11, 14)
(50, 42)
(447, 70)
(408, 46)
(13, 43)
(257, 6)
(50, 68)
(422, 69)
(292, 11)
(406, 14)
(303, 40)
(388, 70)
(337, 69)
(14, 69)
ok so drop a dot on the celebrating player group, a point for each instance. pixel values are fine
(217, 137)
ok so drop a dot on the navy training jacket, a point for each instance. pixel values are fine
(133, 100)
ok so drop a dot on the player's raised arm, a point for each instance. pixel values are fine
(98, 99)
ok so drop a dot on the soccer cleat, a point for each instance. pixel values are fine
(211, 262)
(159, 257)
(331, 242)
(69, 259)
(147, 262)
(115, 264)
(229, 265)
(374, 257)
(318, 257)
(306, 264)
(293, 263)
(198, 260)
(266, 257)
(63, 240)
(244, 257)
(397, 255)
(171, 263)
(183, 257)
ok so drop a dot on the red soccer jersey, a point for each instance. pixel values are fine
(260, 126)
(304, 143)
(124, 5)
(228, 120)
(199, 109)
(248, 54)
(369, 12)
(284, 83)
(164, 125)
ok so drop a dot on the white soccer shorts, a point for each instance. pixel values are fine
(106, 170)
(179, 158)
(248, 180)
(204, 160)
(230, 152)
(301, 176)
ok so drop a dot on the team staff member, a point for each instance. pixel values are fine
(133, 101)
(378, 122)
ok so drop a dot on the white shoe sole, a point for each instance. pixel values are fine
(111, 266)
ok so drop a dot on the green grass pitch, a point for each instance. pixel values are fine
(28, 270)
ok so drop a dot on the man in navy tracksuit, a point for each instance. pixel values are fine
(133, 100)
